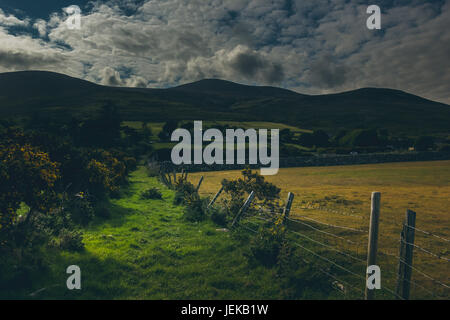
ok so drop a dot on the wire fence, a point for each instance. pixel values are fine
(346, 266)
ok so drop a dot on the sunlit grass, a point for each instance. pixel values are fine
(148, 251)
(340, 195)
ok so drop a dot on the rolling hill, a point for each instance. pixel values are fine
(57, 96)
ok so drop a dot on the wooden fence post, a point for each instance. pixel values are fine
(373, 239)
(216, 196)
(199, 184)
(406, 255)
(244, 207)
(287, 208)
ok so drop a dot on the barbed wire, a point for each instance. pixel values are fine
(392, 292)
(427, 233)
(328, 246)
(343, 281)
(330, 225)
(424, 250)
(413, 283)
(329, 261)
(321, 231)
(248, 228)
(324, 209)
(336, 278)
(393, 275)
(415, 269)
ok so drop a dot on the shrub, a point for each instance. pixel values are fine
(80, 209)
(71, 240)
(218, 215)
(423, 143)
(195, 210)
(266, 193)
(265, 247)
(185, 192)
(153, 169)
(152, 193)
(103, 212)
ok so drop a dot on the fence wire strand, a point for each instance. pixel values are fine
(425, 250)
(428, 233)
(321, 231)
(328, 246)
(330, 225)
(265, 215)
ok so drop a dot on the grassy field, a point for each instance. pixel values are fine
(148, 251)
(341, 196)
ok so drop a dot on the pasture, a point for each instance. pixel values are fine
(340, 196)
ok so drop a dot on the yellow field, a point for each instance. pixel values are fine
(340, 195)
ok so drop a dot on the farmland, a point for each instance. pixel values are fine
(341, 196)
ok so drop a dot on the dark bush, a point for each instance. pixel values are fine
(195, 210)
(265, 247)
(103, 212)
(218, 215)
(70, 240)
(423, 143)
(185, 192)
(80, 209)
(152, 193)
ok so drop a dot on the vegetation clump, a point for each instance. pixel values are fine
(152, 193)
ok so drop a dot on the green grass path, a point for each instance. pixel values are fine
(147, 251)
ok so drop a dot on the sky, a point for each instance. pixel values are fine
(309, 46)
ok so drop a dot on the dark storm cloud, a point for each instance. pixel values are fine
(19, 60)
(312, 46)
(252, 66)
(327, 73)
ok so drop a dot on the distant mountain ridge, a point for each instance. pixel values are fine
(56, 95)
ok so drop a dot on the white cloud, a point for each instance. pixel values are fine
(10, 20)
(313, 46)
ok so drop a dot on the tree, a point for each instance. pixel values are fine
(320, 138)
(361, 138)
(423, 143)
(169, 127)
(286, 135)
(28, 176)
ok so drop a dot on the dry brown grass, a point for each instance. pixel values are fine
(340, 195)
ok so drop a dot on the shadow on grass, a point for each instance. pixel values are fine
(99, 278)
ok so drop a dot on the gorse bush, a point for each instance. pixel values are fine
(218, 215)
(80, 208)
(185, 192)
(266, 193)
(71, 240)
(266, 246)
(152, 193)
(195, 210)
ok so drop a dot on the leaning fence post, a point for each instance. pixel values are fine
(373, 239)
(287, 208)
(199, 184)
(406, 255)
(244, 207)
(216, 196)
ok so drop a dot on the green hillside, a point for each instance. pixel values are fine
(59, 96)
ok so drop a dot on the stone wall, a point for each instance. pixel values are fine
(321, 160)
